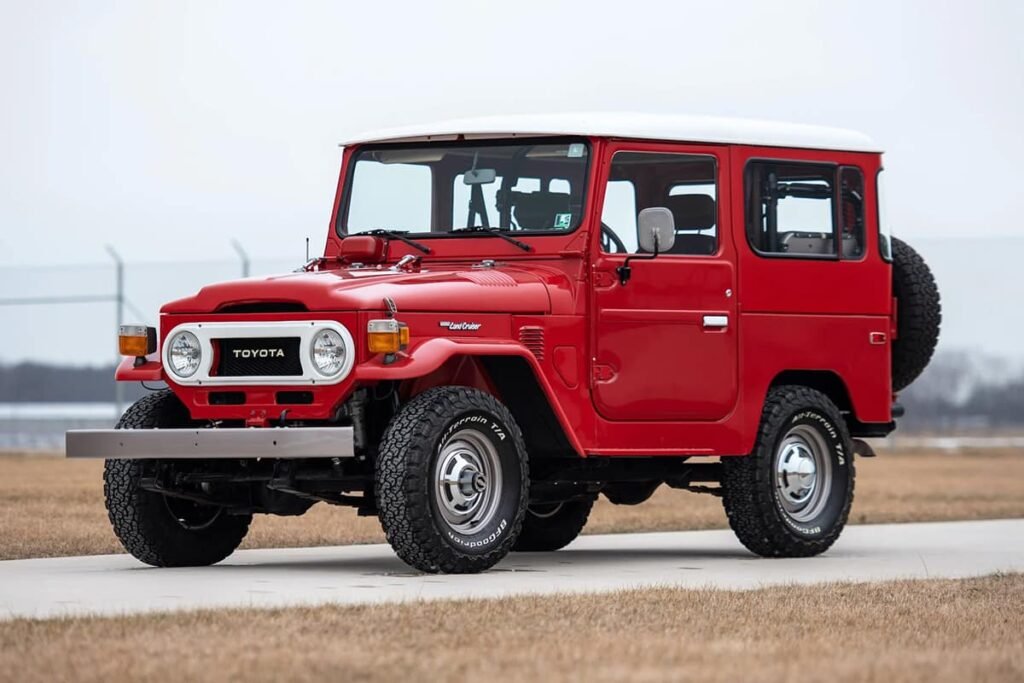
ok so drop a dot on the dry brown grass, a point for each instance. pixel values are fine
(932, 631)
(50, 506)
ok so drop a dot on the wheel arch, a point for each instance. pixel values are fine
(825, 381)
(509, 371)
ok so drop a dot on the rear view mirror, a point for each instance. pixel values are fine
(479, 176)
(655, 233)
(655, 230)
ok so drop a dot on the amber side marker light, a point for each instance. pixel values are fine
(136, 340)
(387, 336)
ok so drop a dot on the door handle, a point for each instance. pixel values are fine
(716, 321)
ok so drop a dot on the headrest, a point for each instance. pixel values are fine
(539, 210)
(692, 211)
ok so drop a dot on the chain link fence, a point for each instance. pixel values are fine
(67, 315)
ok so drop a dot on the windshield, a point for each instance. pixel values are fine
(434, 189)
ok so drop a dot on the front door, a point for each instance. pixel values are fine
(666, 341)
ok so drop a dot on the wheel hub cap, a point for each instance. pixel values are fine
(797, 472)
(803, 467)
(467, 481)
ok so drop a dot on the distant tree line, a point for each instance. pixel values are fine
(42, 382)
(961, 390)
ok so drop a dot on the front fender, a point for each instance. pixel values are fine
(148, 371)
(427, 357)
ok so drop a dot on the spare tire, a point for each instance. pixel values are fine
(918, 314)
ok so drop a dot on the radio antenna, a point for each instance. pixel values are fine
(307, 250)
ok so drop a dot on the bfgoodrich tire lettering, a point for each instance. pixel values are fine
(771, 504)
(442, 437)
(147, 523)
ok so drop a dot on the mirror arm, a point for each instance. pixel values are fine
(625, 272)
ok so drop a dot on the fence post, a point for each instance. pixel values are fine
(243, 256)
(119, 302)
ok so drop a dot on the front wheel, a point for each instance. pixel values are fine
(792, 495)
(160, 530)
(452, 481)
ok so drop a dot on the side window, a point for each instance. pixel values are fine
(851, 214)
(686, 184)
(791, 209)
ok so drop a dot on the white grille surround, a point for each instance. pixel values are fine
(305, 330)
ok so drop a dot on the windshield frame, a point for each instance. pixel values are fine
(346, 193)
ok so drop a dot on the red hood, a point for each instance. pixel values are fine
(454, 289)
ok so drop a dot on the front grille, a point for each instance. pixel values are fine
(259, 357)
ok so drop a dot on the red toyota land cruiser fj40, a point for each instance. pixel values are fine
(513, 316)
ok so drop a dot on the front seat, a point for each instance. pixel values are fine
(693, 213)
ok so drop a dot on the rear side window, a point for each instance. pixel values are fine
(791, 209)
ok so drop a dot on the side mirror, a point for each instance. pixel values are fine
(655, 233)
(655, 230)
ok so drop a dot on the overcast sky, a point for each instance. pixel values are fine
(170, 128)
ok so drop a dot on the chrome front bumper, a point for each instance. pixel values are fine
(220, 444)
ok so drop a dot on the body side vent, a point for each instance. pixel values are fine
(532, 337)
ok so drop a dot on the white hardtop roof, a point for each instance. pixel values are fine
(635, 126)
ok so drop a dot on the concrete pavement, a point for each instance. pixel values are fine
(116, 584)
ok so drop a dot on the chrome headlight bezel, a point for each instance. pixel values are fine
(174, 348)
(335, 341)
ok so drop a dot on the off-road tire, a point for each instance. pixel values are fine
(405, 488)
(918, 314)
(545, 530)
(142, 520)
(750, 498)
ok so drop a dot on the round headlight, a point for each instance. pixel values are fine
(184, 354)
(328, 352)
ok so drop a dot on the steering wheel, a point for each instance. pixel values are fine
(610, 239)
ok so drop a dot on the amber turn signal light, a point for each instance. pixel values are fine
(136, 340)
(387, 336)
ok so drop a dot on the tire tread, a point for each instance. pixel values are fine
(747, 483)
(403, 492)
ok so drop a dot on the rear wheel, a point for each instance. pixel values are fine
(553, 526)
(452, 481)
(161, 530)
(792, 495)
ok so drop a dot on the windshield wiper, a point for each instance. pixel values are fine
(396, 235)
(497, 233)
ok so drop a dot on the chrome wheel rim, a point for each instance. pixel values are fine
(803, 473)
(467, 481)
